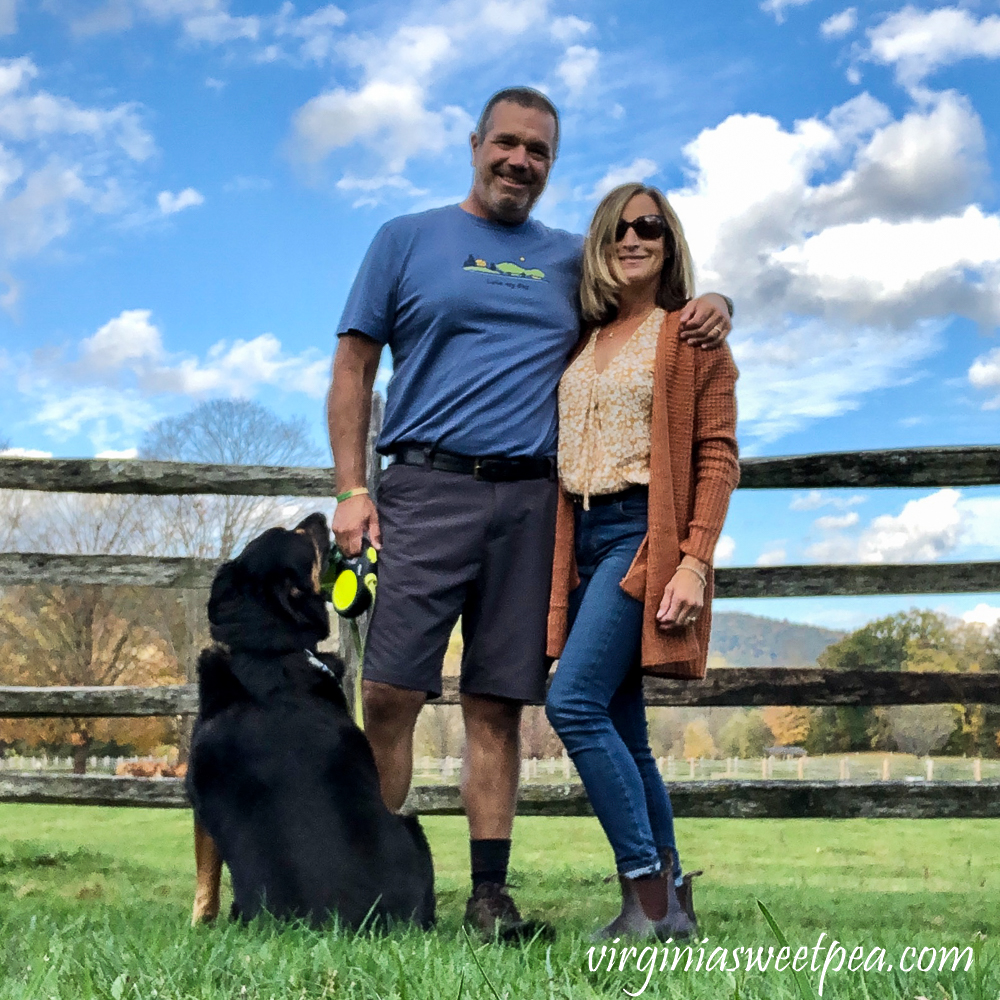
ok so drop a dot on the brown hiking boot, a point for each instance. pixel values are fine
(492, 913)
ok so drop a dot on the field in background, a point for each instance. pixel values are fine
(94, 903)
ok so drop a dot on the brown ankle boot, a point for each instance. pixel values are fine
(680, 921)
(631, 922)
(653, 894)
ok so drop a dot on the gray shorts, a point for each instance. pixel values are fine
(454, 545)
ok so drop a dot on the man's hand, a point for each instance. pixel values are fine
(683, 599)
(705, 321)
(354, 518)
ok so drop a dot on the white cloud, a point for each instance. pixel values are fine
(777, 7)
(566, 29)
(925, 530)
(985, 374)
(930, 528)
(838, 25)
(312, 37)
(918, 42)
(983, 614)
(170, 203)
(214, 84)
(772, 557)
(8, 17)
(391, 117)
(203, 20)
(316, 32)
(389, 113)
(123, 453)
(116, 385)
(24, 453)
(815, 499)
(724, 550)
(640, 169)
(981, 518)
(835, 522)
(60, 162)
(577, 70)
(847, 242)
(131, 343)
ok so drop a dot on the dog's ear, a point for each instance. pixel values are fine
(288, 592)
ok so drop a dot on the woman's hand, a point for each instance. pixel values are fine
(683, 596)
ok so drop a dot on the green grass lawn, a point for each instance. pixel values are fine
(95, 903)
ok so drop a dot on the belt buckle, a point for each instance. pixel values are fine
(481, 469)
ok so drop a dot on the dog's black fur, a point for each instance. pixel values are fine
(279, 776)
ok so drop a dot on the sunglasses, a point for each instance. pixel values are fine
(646, 227)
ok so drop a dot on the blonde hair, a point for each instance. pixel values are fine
(601, 281)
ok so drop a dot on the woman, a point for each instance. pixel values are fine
(647, 462)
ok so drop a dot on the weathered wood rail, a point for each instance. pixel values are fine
(954, 466)
(18, 568)
(725, 687)
(774, 799)
(920, 467)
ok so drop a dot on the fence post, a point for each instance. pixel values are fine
(977, 770)
(802, 767)
(930, 769)
(190, 601)
(352, 666)
(885, 768)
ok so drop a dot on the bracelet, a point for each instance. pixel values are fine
(701, 576)
(347, 494)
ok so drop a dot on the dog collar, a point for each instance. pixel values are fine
(318, 663)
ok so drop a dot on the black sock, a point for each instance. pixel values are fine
(490, 859)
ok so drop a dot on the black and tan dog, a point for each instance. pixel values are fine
(283, 783)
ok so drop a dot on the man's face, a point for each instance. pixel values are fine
(512, 162)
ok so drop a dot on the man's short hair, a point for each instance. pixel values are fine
(523, 97)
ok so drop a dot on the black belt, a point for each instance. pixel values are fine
(490, 468)
(602, 499)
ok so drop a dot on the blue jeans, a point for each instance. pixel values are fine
(595, 702)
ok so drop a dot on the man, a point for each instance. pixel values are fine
(478, 304)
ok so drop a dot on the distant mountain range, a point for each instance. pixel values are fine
(752, 641)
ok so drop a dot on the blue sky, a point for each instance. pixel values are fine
(187, 188)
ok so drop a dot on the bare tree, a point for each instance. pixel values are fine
(226, 432)
(14, 508)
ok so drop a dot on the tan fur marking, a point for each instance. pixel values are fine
(208, 865)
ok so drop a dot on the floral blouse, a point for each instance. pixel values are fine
(604, 418)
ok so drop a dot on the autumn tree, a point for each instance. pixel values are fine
(85, 635)
(789, 724)
(698, 740)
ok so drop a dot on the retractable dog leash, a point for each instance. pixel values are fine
(349, 584)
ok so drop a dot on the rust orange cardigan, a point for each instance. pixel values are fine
(693, 469)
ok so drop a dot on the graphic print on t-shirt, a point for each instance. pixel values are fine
(506, 268)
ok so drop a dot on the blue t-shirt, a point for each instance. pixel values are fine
(480, 318)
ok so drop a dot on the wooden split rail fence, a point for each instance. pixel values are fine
(926, 467)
